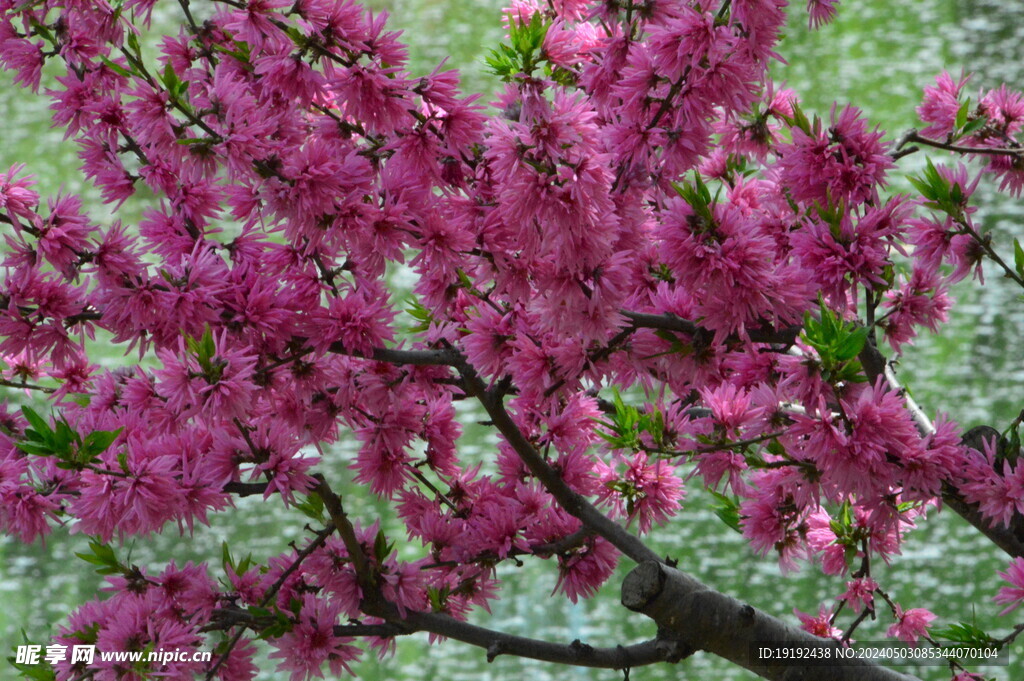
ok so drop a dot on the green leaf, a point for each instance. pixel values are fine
(381, 547)
(850, 372)
(206, 346)
(421, 314)
(103, 556)
(1018, 258)
(225, 557)
(115, 67)
(699, 198)
(41, 427)
(922, 187)
(1013, 446)
(204, 350)
(973, 126)
(504, 62)
(799, 119)
(964, 632)
(438, 598)
(66, 440)
(727, 510)
(97, 442)
(132, 41)
(934, 187)
(258, 612)
(244, 564)
(312, 506)
(33, 448)
(961, 114)
(850, 346)
(170, 79)
(34, 672)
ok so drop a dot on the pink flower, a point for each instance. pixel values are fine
(405, 586)
(860, 593)
(287, 74)
(486, 343)
(941, 104)
(730, 408)
(821, 12)
(255, 24)
(359, 322)
(997, 490)
(820, 626)
(1013, 595)
(1004, 109)
(239, 664)
(847, 161)
(583, 570)
(383, 461)
(911, 625)
(371, 96)
(17, 198)
(25, 513)
(649, 491)
(311, 642)
(25, 58)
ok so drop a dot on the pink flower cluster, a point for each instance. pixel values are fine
(642, 210)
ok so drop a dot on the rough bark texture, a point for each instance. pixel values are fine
(704, 619)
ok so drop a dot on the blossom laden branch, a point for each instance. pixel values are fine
(570, 500)
(668, 322)
(347, 532)
(660, 170)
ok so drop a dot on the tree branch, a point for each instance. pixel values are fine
(670, 322)
(498, 643)
(245, 489)
(913, 136)
(704, 619)
(26, 386)
(417, 357)
(332, 502)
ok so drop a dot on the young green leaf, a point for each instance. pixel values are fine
(1018, 258)
(727, 510)
(37, 422)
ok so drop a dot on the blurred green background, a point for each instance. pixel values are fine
(878, 55)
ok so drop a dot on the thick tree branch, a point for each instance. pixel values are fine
(415, 357)
(704, 619)
(498, 643)
(670, 322)
(1008, 539)
(494, 642)
(245, 489)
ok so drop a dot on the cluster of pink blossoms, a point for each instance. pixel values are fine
(642, 209)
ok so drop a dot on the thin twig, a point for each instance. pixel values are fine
(914, 136)
(27, 386)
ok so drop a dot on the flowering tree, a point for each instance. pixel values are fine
(647, 266)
